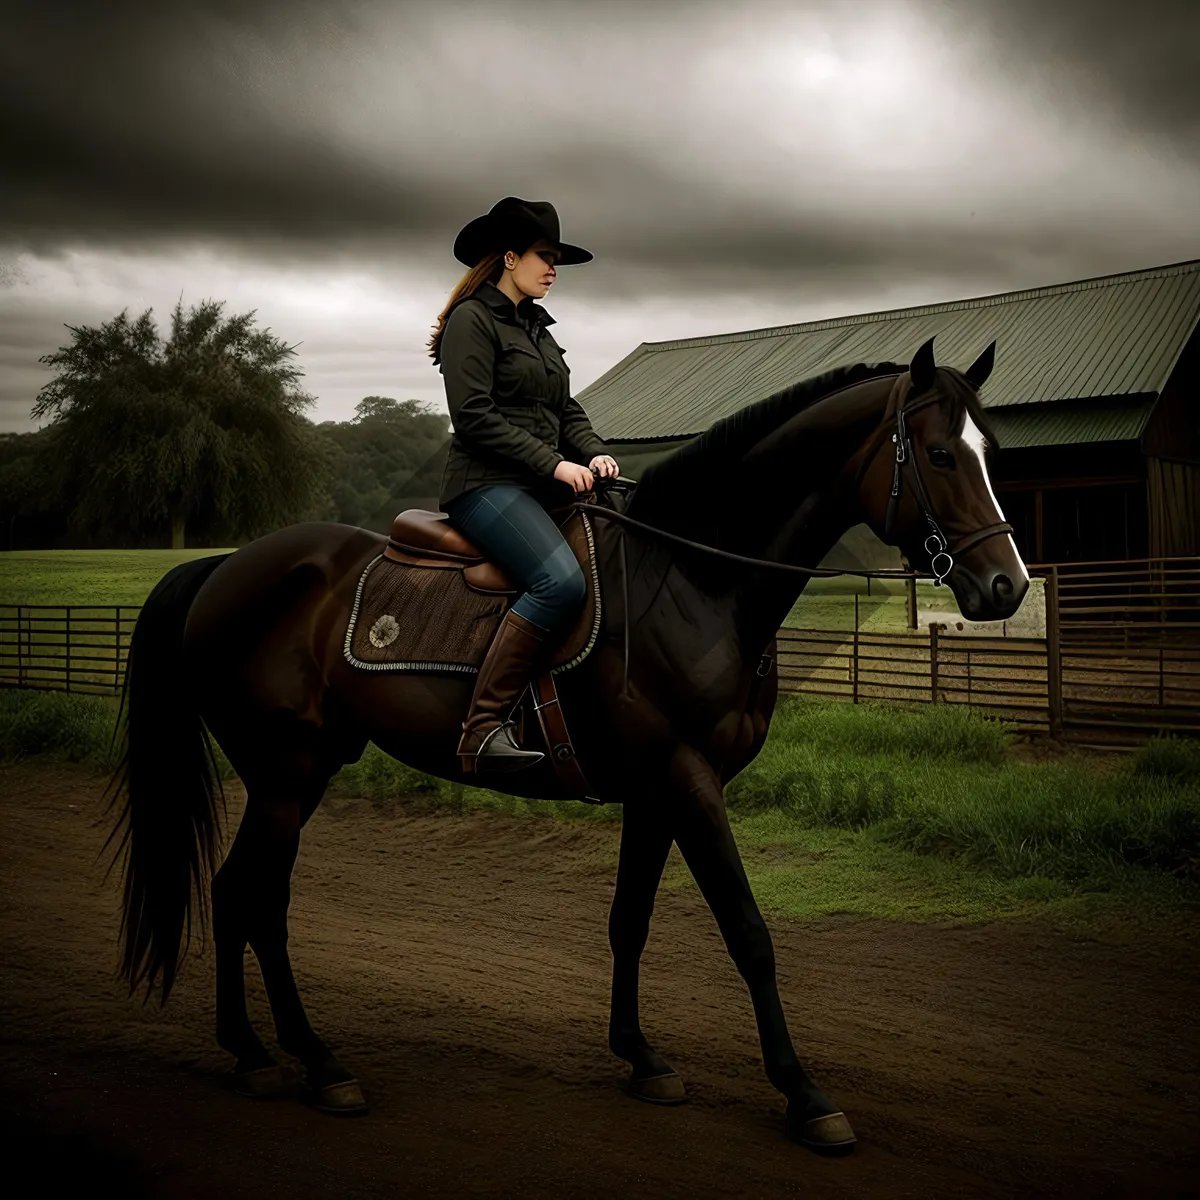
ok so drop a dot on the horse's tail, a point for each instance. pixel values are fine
(168, 818)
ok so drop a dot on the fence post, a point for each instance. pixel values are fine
(1160, 677)
(910, 589)
(68, 645)
(933, 662)
(854, 666)
(20, 652)
(1053, 655)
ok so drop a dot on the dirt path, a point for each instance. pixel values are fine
(461, 966)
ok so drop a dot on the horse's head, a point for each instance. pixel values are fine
(924, 487)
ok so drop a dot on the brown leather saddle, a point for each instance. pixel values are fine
(423, 538)
(449, 603)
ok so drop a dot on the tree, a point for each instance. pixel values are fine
(201, 434)
(28, 516)
(390, 456)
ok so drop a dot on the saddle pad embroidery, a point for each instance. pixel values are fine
(427, 619)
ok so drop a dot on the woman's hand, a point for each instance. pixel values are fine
(605, 465)
(579, 477)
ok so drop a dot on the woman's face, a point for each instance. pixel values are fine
(534, 272)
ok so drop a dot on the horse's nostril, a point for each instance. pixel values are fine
(1002, 588)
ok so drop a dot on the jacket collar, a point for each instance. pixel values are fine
(525, 313)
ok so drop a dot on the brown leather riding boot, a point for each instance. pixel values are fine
(488, 741)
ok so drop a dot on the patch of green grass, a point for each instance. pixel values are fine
(87, 576)
(56, 725)
(1169, 757)
(917, 814)
(806, 873)
(943, 782)
(829, 604)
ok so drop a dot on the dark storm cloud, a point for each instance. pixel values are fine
(138, 123)
(730, 165)
(1135, 60)
(123, 123)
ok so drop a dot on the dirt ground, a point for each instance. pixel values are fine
(460, 965)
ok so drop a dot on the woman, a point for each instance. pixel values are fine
(516, 427)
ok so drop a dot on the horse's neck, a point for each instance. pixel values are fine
(814, 455)
(763, 598)
(790, 498)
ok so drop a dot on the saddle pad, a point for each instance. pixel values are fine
(411, 618)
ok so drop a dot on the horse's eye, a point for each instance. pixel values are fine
(941, 458)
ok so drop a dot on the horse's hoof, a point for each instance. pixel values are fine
(262, 1084)
(341, 1099)
(659, 1089)
(830, 1134)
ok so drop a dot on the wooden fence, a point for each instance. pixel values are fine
(1134, 602)
(1081, 693)
(73, 647)
(1073, 683)
(1126, 636)
(1004, 677)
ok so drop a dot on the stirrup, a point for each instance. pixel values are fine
(511, 757)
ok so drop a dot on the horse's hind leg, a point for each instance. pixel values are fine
(255, 1073)
(251, 894)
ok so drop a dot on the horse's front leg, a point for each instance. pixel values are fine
(701, 829)
(645, 844)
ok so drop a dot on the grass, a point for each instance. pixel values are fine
(107, 577)
(928, 814)
(87, 576)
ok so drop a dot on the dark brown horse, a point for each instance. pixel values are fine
(248, 647)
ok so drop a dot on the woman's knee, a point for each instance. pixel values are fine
(561, 586)
(572, 587)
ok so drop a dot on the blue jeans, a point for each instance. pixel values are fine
(513, 530)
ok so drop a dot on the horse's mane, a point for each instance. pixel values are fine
(670, 493)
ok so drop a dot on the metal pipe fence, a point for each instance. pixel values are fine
(1062, 684)
(65, 647)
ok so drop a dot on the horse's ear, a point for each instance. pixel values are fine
(981, 368)
(922, 367)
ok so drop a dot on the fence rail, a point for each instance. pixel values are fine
(1057, 684)
(65, 647)
(1006, 677)
(1081, 692)
(1147, 601)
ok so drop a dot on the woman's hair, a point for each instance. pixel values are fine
(487, 270)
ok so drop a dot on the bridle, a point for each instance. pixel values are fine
(937, 545)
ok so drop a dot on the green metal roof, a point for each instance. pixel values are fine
(1111, 336)
(1068, 424)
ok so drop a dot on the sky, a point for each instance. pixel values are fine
(730, 166)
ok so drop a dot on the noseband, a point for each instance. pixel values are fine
(937, 545)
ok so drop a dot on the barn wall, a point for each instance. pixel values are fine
(1174, 496)
(1172, 446)
(1173, 431)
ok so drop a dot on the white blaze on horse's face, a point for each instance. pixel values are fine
(972, 437)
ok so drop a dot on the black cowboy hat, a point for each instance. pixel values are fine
(514, 224)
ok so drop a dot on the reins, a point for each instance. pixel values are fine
(937, 545)
(593, 509)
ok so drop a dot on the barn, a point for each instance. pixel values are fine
(1095, 400)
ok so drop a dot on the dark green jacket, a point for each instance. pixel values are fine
(508, 390)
